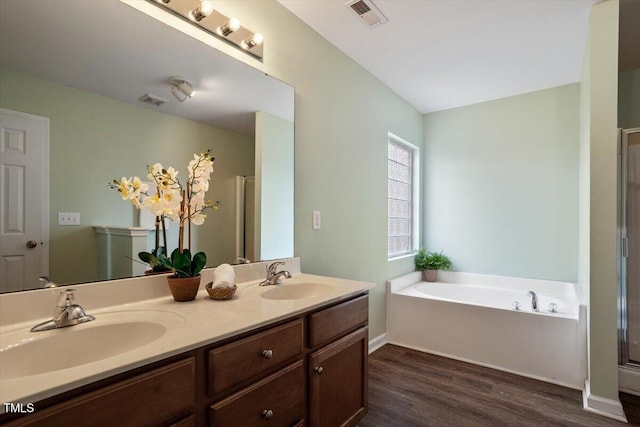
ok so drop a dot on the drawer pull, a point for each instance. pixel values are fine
(267, 354)
(267, 414)
(318, 370)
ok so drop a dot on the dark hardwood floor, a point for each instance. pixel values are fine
(409, 388)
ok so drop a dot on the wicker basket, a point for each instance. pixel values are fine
(220, 293)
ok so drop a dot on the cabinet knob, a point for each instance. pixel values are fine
(318, 370)
(267, 414)
(267, 354)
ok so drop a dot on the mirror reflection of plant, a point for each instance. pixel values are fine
(184, 205)
(151, 258)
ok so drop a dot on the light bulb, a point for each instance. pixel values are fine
(258, 38)
(202, 11)
(206, 7)
(252, 41)
(234, 24)
(229, 27)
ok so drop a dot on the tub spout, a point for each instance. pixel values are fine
(534, 300)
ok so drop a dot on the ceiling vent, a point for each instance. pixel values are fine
(148, 98)
(368, 13)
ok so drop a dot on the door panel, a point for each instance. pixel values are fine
(23, 200)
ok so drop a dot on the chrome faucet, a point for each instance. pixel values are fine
(273, 277)
(46, 282)
(534, 300)
(65, 314)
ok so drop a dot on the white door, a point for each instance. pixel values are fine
(24, 200)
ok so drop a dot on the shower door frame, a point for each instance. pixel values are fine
(623, 319)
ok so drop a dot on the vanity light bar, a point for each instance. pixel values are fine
(202, 14)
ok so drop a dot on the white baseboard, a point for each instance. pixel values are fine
(377, 342)
(610, 408)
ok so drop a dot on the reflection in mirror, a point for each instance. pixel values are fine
(85, 98)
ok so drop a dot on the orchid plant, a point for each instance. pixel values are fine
(184, 204)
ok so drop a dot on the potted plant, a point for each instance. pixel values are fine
(183, 204)
(430, 262)
(185, 281)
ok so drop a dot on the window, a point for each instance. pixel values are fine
(402, 195)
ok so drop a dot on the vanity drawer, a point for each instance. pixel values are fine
(335, 321)
(149, 399)
(237, 363)
(276, 401)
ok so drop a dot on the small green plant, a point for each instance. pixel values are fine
(151, 258)
(432, 260)
(182, 264)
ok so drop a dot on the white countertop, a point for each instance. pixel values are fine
(189, 325)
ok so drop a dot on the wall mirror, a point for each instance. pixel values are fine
(75, 75)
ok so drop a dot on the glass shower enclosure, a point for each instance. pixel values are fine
(629, 248)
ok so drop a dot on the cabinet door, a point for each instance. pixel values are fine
(276, 401)
(338, 382)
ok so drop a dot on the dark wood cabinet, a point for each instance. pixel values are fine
(278, 400)
(310, 369)
(240, 362)
(338, 381)
(150, 399)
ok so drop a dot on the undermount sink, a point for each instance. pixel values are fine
(111, 334)
(297, 291)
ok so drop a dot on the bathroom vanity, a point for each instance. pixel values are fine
(301, 361)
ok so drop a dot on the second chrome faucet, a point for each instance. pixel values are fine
(275, 277)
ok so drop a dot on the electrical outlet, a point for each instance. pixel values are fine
(316, 220)
(68, 218)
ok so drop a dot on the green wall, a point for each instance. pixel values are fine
(501, 181)
(94, 139)
(629, 99)
(274, 186)
(342, 116)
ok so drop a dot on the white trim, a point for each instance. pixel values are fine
(409, 255)
(377, 342)
(122, 231)
(415, 196)
(610, 408)
(240, 216)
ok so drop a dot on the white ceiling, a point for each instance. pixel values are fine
(440, 54)
(112, 49)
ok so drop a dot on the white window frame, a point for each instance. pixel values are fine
(415, 195)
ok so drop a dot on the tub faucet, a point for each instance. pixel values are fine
(65, 314)
(273, 277)
(534, 300)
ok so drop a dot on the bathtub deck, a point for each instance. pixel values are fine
(409, 388)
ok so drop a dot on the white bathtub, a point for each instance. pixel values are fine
(470, 317)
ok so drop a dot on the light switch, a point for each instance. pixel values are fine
(316, 220)
(68, 218)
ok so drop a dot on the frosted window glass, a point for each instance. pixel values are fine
(400, 195)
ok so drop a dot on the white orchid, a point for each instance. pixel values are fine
(171, 199)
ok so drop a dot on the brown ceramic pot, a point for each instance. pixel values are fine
(184, 288)
(430, 275)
